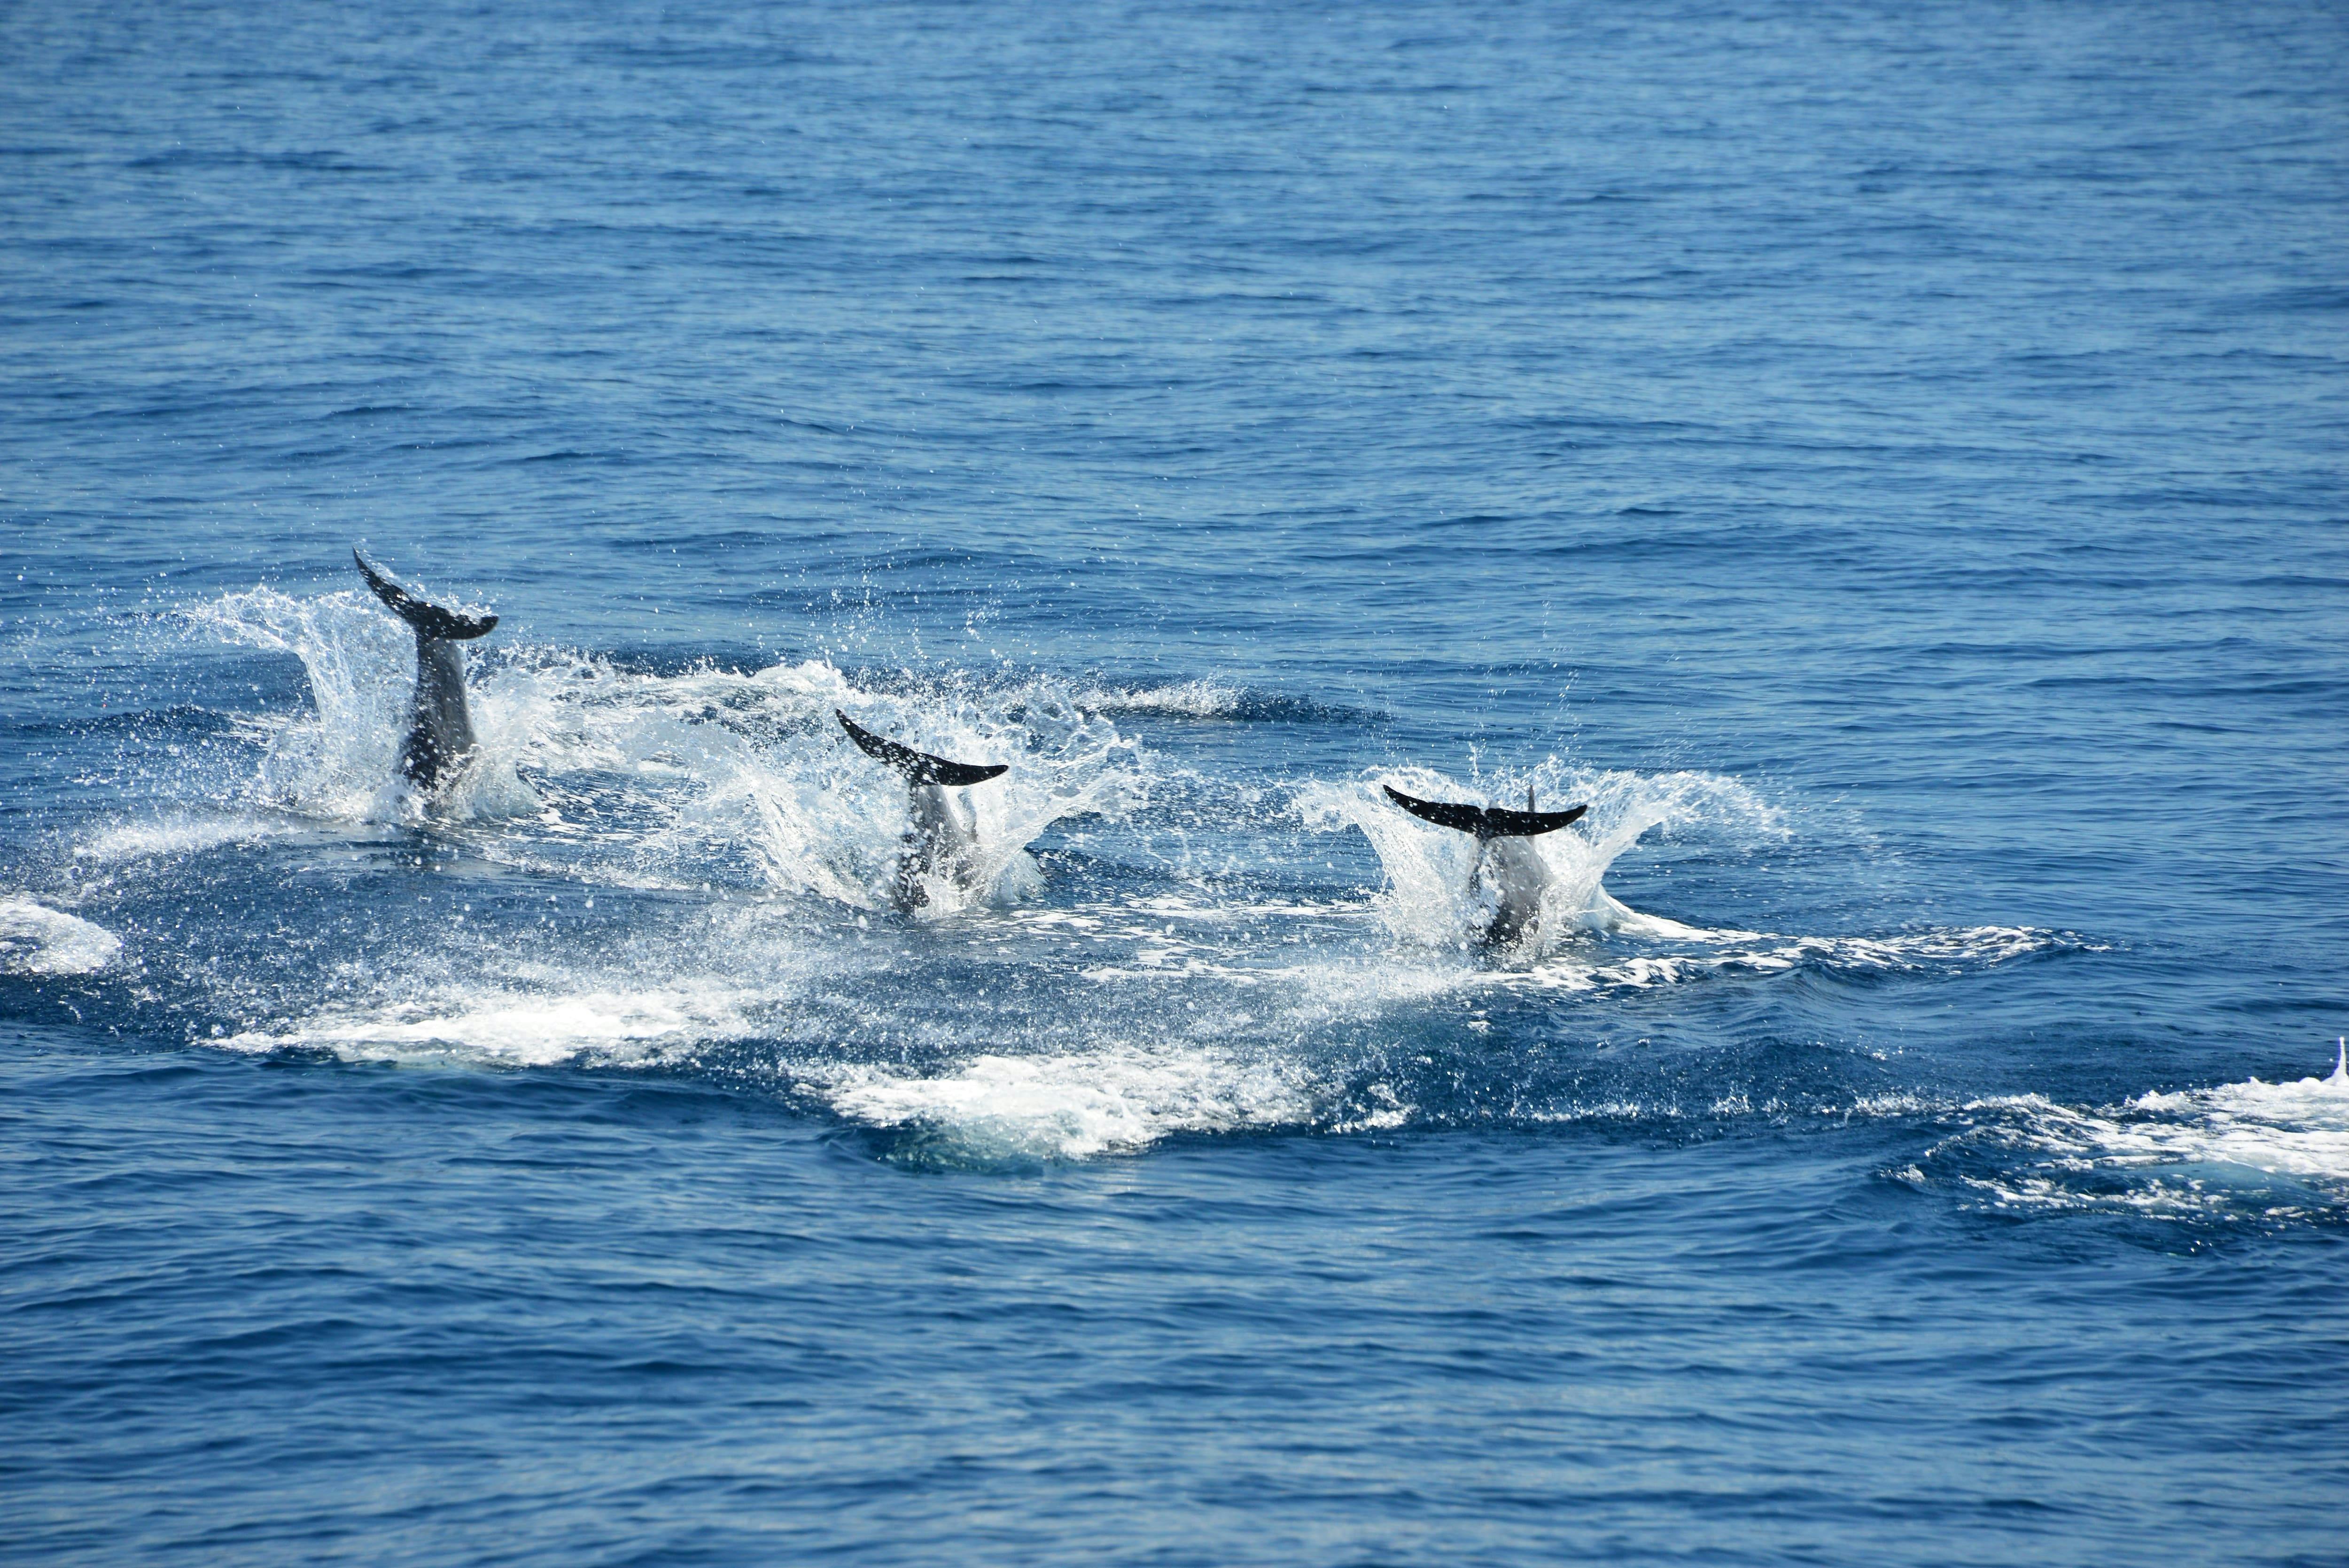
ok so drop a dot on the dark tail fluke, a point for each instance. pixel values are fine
(430, 620)
(918, 766)
(1484, 822)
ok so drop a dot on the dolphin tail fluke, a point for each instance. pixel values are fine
(430, 620)
(1484, 822)
(918, 766)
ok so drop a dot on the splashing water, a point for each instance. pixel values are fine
(340, 762)
(675, 781)
(732, 801)
(1431, 898)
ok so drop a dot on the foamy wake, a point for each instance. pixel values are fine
(986, 1108)
(1153, 940)
(2268, 1148)
(615, 1026)
(37, 940)
(1144, 1023)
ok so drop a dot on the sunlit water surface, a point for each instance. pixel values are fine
(1886, 462)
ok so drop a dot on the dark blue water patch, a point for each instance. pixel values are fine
(2316, 299)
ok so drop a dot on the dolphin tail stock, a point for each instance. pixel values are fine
(1487, 822)
(430, 620)
(918, 766)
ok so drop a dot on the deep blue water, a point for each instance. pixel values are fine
(1885, 458)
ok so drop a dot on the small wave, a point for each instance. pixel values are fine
(37, 940)
(991, 1109)
(2249, 1148)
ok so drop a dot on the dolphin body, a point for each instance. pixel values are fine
(439, 728)
(944, 839)
(1507, 865)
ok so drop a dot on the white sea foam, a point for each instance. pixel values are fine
(512, 1026)
(1715, 952)
(2192, 1151)
(2298, 1128)
(1116, 1077)
(1137, 1021)
(1069, 1106)
(1258, 943)
(37, 940)
(177, 835)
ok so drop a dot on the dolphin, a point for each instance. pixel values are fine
(1506, 865)
(944, 840)
(440, 730)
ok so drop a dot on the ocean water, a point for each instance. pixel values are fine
(1887, 461)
